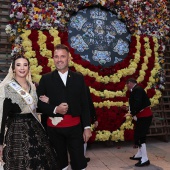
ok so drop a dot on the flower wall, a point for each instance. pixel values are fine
(37, 26)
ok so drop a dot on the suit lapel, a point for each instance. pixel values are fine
(57, 79)
(69, 79)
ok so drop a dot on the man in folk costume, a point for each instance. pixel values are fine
(68, 104)
(139, 107)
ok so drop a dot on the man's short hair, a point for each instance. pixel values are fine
(132, 80)
(61, 47)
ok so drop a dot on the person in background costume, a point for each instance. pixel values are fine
(23, 141)
(68, 104)
(139, 108)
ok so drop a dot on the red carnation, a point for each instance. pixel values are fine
(129, 135)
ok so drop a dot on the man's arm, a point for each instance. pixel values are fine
(45, 108)
(85, 115)
(91, 107)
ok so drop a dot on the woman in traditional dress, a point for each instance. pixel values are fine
(23, 141)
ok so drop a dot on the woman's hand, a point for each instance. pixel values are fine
(44, 99)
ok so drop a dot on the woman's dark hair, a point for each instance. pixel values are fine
(17, 57)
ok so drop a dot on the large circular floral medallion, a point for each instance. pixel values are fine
(99, 36)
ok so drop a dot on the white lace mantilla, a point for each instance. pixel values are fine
(16, 98)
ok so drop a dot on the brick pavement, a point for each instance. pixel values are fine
(116, 157)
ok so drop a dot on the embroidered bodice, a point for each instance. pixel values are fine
(10, 93)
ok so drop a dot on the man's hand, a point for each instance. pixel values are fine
(62, 108)
(127, 114)
(87, 134)
(135, 118)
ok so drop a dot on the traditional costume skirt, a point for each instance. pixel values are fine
(26, 145)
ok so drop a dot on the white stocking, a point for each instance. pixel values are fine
(66, 168)
(139, 153)
(144, 153)
(85, 147)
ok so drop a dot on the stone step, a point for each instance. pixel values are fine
(5, 48)
(4, 19)
(5, 6)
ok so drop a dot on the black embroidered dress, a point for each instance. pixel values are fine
(25, 144)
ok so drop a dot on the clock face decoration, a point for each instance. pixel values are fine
(99, 36)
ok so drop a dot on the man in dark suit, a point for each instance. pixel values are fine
(68, 104)
(139, 108)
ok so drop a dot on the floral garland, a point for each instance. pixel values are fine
(38, 25)
(104, 100)
(141, 17)
(146, 68)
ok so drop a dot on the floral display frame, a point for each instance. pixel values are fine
(36, 26)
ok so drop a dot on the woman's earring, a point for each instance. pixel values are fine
(14, 73)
